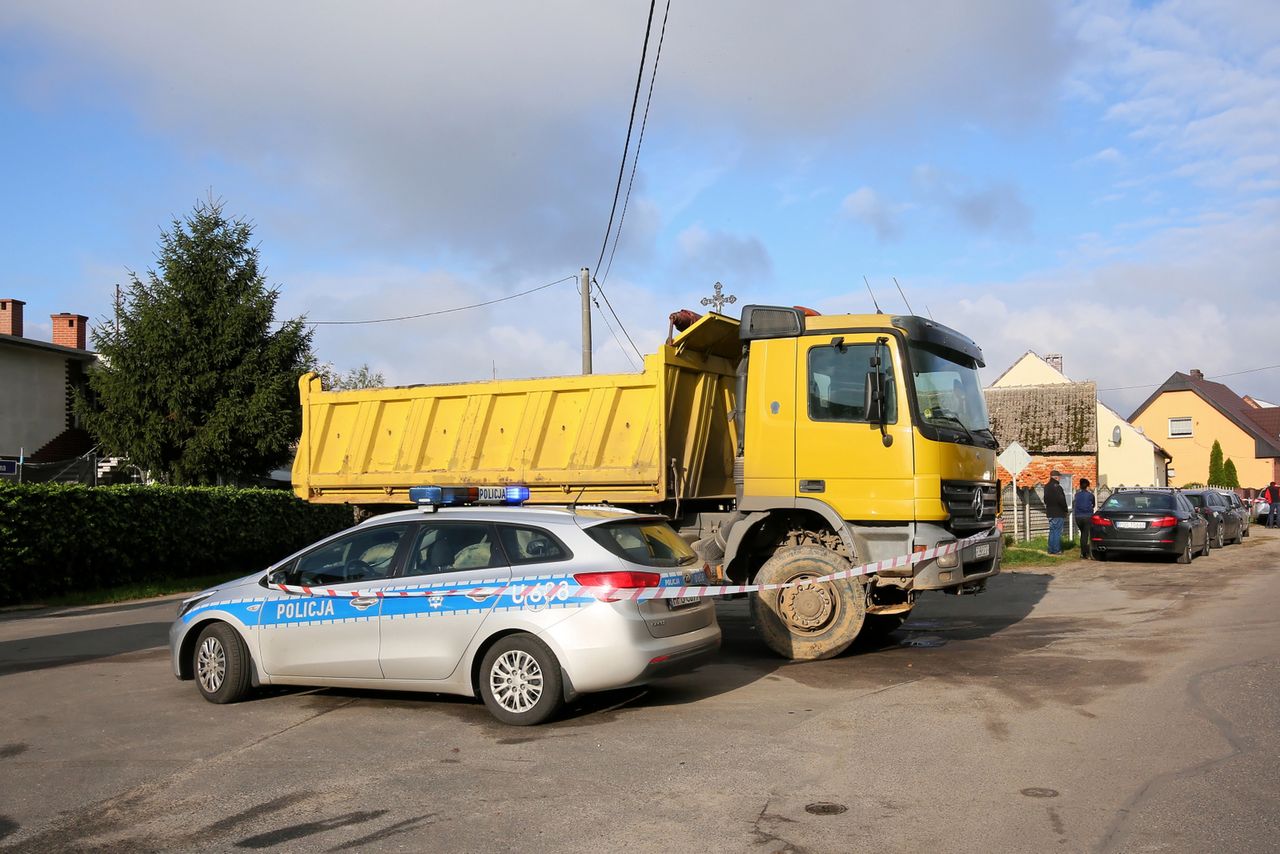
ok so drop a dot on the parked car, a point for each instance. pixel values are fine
(1237, 505)
(1261, 507)
(511, 621)
(1225, 524)
(1149, 519)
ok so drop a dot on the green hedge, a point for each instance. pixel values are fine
(56, 538)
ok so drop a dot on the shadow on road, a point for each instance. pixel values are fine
(39, 653)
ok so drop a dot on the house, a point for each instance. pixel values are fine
(1064, 425)
(1189, 412)
(38, 380)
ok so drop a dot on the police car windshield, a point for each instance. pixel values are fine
(645, 543)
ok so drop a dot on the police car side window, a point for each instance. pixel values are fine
(451, 547)
(531, 545)
(361, 556)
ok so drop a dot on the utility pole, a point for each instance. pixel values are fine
(584, 285)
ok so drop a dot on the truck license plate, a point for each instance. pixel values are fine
(982, 551)
(1131, 525)
(683, 602)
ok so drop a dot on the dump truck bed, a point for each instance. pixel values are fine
(643, 438)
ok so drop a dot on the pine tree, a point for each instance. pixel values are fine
(200, 382)
(1216, 473)
(1229, 477)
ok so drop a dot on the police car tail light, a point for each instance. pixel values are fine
(621, 580)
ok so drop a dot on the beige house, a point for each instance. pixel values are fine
(1188, 413)
(1126, 456)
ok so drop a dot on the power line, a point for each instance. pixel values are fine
(440, 311)
(635, 158)
(626, 147)
(1214, 377)
(619, 319)
(605, 318)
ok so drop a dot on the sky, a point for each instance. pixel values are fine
(1099, 179)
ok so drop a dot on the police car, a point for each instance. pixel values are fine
(459, 597)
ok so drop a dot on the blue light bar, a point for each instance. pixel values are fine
(458, 496)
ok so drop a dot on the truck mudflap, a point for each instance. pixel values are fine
(973, 564)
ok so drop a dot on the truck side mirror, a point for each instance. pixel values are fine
(873, 397)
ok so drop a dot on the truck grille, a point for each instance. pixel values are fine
(967, 512)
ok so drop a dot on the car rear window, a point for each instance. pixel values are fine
(646, 543)
(1139, 501)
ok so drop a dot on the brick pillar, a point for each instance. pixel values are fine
(11, 317)
(69, 329)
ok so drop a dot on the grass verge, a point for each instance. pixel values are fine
(1035, 552)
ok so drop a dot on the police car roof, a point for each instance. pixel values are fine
(585, 516)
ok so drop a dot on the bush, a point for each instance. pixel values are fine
(56, 538)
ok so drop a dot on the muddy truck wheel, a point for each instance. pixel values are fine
(810, 621)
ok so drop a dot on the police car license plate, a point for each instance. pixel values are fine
(1131, 525)
(683, 602)
(982, 551)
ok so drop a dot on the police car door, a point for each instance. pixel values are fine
(425, 636)
(327, 636)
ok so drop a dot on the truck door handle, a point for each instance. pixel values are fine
(813, 486)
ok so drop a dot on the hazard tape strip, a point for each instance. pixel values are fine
(565, 590)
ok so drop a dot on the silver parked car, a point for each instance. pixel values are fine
(503, 616)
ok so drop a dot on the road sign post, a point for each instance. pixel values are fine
(1014, 459)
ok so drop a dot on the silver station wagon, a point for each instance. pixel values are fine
(462, 600)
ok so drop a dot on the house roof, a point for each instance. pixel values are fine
(1061, 418)
(1263, 425)
(65, 352)
(1018, 361)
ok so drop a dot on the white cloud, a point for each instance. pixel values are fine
(715, 255)
(867, 207)
(995, 207)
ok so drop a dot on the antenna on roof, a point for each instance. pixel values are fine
(904, 296)
(926, 308)
(873, 296)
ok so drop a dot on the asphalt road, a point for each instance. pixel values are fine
(1092, 707)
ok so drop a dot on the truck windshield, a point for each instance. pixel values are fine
(948, 391)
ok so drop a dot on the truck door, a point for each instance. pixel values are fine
(841, 454)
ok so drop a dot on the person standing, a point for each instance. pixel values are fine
(1272, 494)
(1055, 507)
(1082, 508)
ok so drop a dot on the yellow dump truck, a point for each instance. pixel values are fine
(788, 445)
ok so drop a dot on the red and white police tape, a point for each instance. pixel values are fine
(562, 590)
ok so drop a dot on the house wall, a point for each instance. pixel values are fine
(33, 398)
(1030, 370)
(1037, 471)
(1133, 462)
(1191, 455)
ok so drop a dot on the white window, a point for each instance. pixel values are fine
(1179, 428)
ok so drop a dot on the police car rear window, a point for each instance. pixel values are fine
(645, 543)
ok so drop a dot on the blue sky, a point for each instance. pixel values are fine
(1100, 179)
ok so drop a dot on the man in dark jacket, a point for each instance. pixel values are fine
(1055, 507)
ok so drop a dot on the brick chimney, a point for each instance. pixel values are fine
(69, 329)
(1197, 374)
(1055, 361)
(11, 317)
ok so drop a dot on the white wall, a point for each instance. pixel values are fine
(33, 398)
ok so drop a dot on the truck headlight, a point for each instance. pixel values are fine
(949, 561)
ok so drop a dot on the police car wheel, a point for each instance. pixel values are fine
(520, 681)
(221, 664)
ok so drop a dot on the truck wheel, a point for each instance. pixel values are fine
(811, 621)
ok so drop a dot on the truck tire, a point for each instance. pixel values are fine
(808, 622)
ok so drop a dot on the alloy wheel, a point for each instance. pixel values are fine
(516, 681)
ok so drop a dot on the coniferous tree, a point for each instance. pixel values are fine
(199, 383)
(1230, 478)
(1216, 471)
